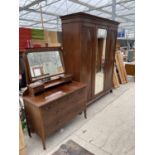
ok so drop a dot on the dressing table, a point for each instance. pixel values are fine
(52, 98)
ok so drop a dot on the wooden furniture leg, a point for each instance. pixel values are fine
(43, 143)
(85, 114)
(28, 127)
(80, 113)
(29, 131)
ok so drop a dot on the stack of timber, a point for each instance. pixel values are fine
(119, 70)
(116, 83)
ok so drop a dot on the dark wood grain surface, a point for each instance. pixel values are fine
(53, 94)
(55, 107)
(80, 45)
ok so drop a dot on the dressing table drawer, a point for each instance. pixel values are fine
(64, 102)
(63, 119)
(54, 110)
(58, 113)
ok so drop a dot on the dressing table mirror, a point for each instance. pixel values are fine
(47, 63)
(45, 68)
(52, 98)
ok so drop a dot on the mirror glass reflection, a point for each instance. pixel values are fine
(45, 63)
(100, 60)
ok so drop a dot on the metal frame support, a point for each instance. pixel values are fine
(35, 22)
(30, 5)
(113, 9)
(46, 13)
(98, 9)
(108, 5)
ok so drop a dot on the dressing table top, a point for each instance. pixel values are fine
(53, 94)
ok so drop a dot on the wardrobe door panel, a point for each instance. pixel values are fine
(110, 56)
(87, 48)
(100, 60)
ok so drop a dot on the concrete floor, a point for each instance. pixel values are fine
(108, 130)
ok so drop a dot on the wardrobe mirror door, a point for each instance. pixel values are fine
(100, 60)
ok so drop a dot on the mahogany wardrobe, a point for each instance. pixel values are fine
(89, 51)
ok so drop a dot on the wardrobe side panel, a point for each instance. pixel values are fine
(71, 49)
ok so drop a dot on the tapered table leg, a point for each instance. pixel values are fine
(43, 143)
(85, 113)
(29, 131)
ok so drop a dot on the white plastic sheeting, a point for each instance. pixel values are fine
(30, 12)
